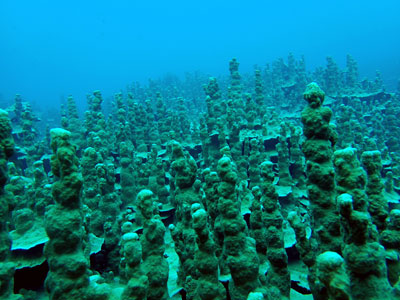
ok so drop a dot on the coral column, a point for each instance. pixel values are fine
(378, 206)
(365, 258)
(208, 287)
(184, 169)
(68, 276)
(155, 265)
(320, 139)
(6, 150)
(239, 249)
(278, 274)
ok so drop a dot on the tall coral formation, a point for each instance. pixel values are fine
(332, 77)
(308, 248)
(105, 216)
(6, 150)
(390, 239)
(320, 139)
(350, 177)
(208, 287)
(212, 134)
(351, 73)
(68, 274)
(127, 180)
(73, 123)
(155, 265)
(258, 232)
(137, 286)
(96, 130)
(285, 179)
(296, 157)
(239, 249)
(184, 168)
(235, 91)
(378, 206)
(278, 274)
(365, 258)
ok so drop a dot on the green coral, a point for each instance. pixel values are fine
(154, 264)
(208, 287)
(6, 267)
(68, 266)
(184, 170)
(318, 150)
(278, 275)
(136, 288)
(390, 239)
(365, 258)
(378, 206)
(239, 249)
(350, 177)
(331, 272)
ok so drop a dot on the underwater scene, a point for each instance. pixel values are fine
(213, 150)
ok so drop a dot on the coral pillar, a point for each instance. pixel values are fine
(208, 287)
(378, 206)
(240, 250)
(68, 276)
(155, 265)
(278, 274)
(6, 150)
(184, 170)
(365, 259)
(320, 139)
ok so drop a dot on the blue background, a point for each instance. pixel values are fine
(50, 49)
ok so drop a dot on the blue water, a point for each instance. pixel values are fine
(50, 49)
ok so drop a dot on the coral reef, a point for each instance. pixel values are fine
(228, 187)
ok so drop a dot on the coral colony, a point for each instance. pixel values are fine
(206, 189)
